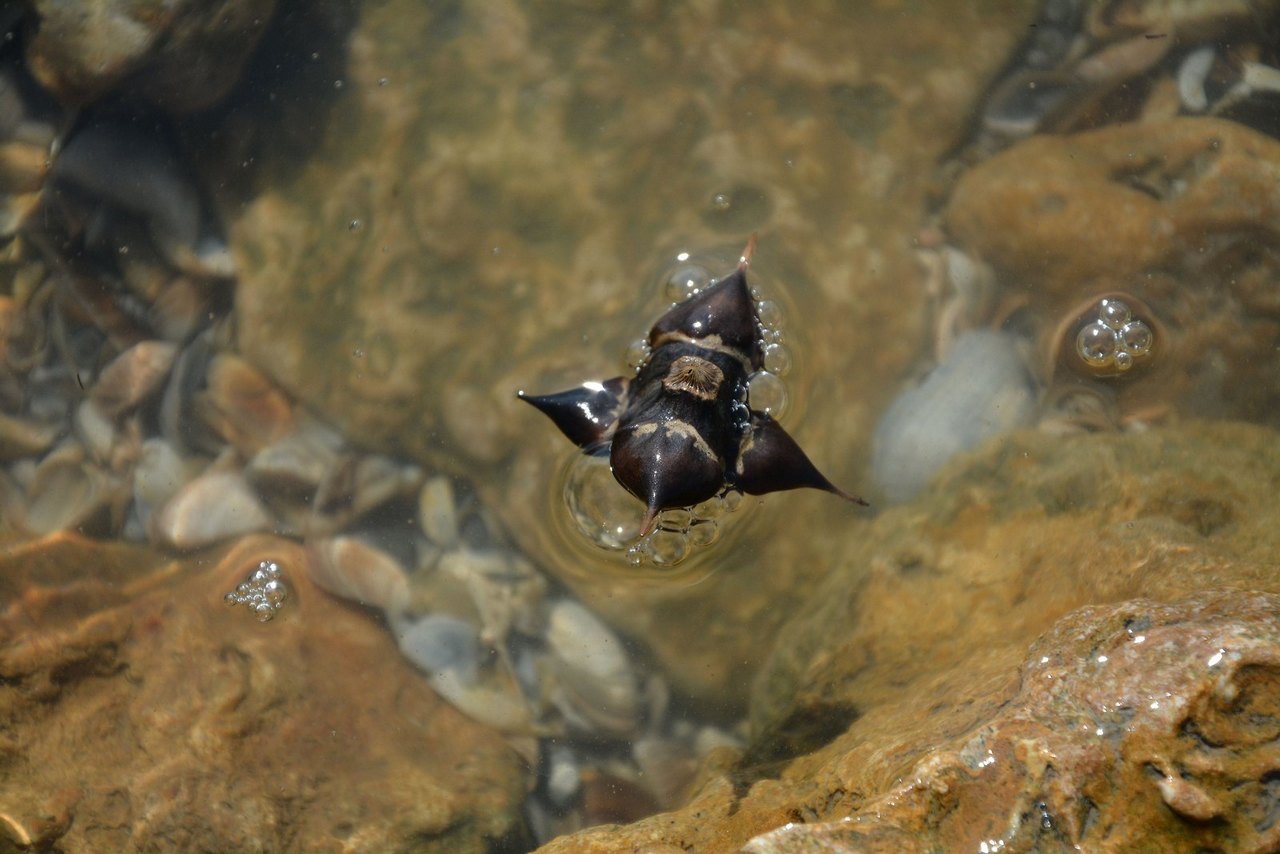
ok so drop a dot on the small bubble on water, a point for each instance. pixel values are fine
(637, 352)
(357, 353)
(770, 314)
(668, 548)
(382, 81)
(609, 517)
(712, 508)
(721, 202)
(685, 281)
(678, 519)
(777, 359)
(354, 225)
(703, 533)
(601, 509)
(767, 393)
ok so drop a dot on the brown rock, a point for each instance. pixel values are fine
(143, 712)
(1138, 726)
(888, 686)
(1183, 214)
(1142, 196)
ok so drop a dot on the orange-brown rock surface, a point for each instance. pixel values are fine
(140, 713)
(919, 650)
(1137, 726)
(1182, 213)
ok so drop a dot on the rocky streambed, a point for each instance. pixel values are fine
(281, 544)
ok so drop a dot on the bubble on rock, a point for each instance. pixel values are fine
(275, 592)
(1116, 339)
(1113, 313)
(1136, 338)
(263, 592)
(1096, 344)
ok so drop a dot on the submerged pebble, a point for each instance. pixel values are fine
(352, 569)
(596, 687)
(439, 642)
(216, 506)
(982, 389)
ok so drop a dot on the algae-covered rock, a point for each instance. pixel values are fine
(144, 713)
(1016, 536)
(1183, 214)
(911, 658)
(1137, 726)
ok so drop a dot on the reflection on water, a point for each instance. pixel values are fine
(280, 273)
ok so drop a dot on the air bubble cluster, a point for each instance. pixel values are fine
(262, 592)
(1115, 339)
(610, 518)
(680, 530)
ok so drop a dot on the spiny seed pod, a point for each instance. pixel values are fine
(682, 430)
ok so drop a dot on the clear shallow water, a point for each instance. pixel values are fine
(437, 205)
